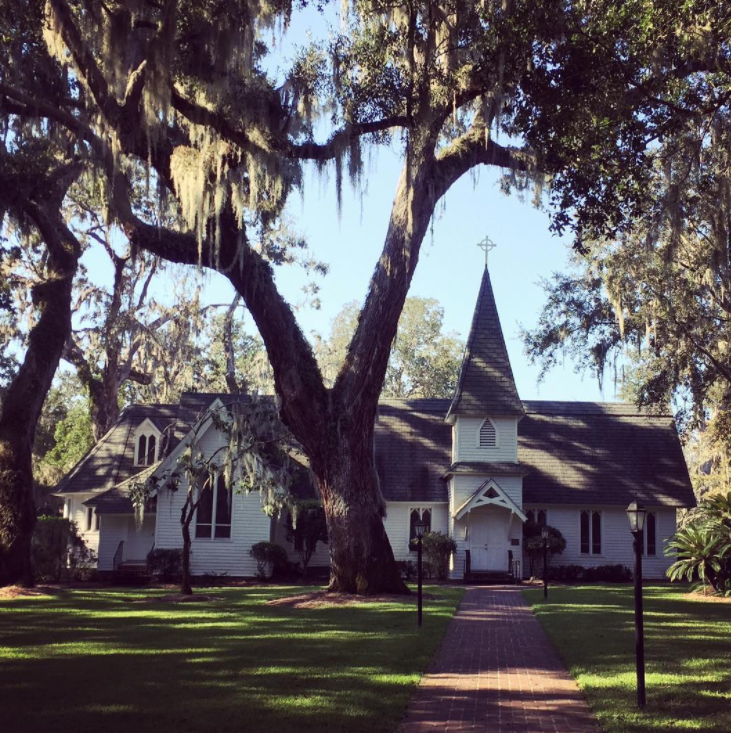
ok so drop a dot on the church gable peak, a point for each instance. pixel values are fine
(486, 385)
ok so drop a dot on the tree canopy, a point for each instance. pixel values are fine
(187, 97)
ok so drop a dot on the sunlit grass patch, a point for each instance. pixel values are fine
(687, 651)
(81, 661)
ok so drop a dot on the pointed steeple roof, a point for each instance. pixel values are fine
(486, 385)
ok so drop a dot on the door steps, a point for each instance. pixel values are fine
(131, 573)
(489, 577)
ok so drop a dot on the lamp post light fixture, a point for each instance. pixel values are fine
(544, 537)
(636, 514)
(420, 531)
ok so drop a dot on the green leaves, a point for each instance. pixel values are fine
(703, 546)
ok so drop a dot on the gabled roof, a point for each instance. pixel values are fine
(111, 460)
(601, 453)
(489, 493)
(486, 385)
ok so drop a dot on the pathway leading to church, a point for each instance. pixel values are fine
(497, 672)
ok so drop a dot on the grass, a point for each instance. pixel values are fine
(96, 660)
(687, 653)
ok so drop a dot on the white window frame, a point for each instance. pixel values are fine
(89, 518)
(591, 552)
(147, 429)
(497, 436)
(214, 510)
(421, 510)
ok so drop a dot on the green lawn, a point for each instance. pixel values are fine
(98, 661)
(687, 651)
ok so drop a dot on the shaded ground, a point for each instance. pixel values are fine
(321, 598)
(687, 651)
(82, 661)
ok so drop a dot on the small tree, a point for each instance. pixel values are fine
(438, 548)
(533, 544)
(306, 526)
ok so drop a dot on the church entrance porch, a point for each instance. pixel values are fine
(488, 539)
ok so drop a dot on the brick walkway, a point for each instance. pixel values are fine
(497, 672)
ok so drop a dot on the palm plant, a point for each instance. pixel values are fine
(703, 547)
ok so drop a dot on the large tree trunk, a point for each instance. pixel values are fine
(24, 397)
(20, 411)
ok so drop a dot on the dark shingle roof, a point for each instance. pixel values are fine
(595, 453)
(413, 449)
(111, 460)
(572, 453)
(486, 385)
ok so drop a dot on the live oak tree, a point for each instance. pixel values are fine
(183, 89)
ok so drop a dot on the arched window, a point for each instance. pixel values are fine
(590, 526)
(651, 534)
(146, 444)
(488, 435)
(151, 450)
(142, 451)
(541, 518)
(414, 516)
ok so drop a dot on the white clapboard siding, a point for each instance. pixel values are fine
(467, 446)
(616, 538)
(397, 523)
(229, 556)
(76, 512)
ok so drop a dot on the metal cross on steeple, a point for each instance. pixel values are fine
(486, 245)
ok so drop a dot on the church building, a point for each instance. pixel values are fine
(476, 466)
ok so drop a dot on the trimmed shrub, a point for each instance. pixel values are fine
(608, 574)
(438, 548)
(566, 573)
(271, 559)
(165, 565)
(533, 545)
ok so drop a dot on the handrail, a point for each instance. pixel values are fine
(118, 556)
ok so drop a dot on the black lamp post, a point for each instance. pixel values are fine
(636, 514)
(544, 537)
(420, 531)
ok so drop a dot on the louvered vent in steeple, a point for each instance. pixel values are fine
(488, 434)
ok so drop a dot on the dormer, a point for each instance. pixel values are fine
(147, 443)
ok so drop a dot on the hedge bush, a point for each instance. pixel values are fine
(166, 565)
(269, 556)
(438, 549)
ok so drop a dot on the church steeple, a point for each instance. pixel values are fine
(486, 385)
